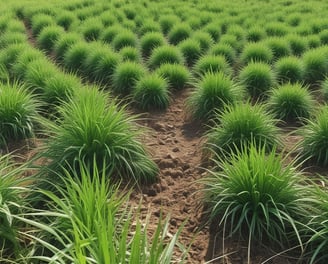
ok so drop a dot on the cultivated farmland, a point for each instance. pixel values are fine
(163, 131)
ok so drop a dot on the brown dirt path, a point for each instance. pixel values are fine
(175, 144)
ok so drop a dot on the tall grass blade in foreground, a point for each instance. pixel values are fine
(91, 222)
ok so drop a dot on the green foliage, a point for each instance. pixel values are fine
(289, 69)
(255, 34)
(298, 44)
(48, 37)
(91, 128)
(167, 22)
(110, 33)
(191, 50)
(256, 195)
(316, 65)
(258, 78)
(151, 92)
(18, 114)
(91, 29)
(276, 29)
(125, 77)
(130, 54)
(291, 102)
(150, 41)
(12, 203)
(66, 19)
(75, 56)
(176, 75)
(324, 89)
(279, 46)
(314, 147)
(212, 63)
(178, 33)
(204, 39)
(258, 52)
(224, 50)
(64, 43)
(241, 125)
(211, 94)
(165, 54)
(40, 21)
(123, 39)
(90, 221)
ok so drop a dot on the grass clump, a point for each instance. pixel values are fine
(255, 34)
(18, 113)
(279, 46)
(289, 69)
(167, 22)
(149, 41)
(291, 102)
(125, 77)
(255, 196)
(258, 52)
(123, 39)
(75, 56)
(211, 94)
(241, 125)
(258, 78)
(64, 43)
(165, 54)
(92, 211)
(225, 50)
(298, 44)
(151, 92)
(130, 54)
(40, 21)
(204, 39)
(176, 75)
(110, 33)
(178, 33)
(211, 63)
(314, 147)
(191, 50)
(324, 89)
(49, 36)
(66, 19)
(315, 65)
(93, 129)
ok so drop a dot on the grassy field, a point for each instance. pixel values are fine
(78, 80)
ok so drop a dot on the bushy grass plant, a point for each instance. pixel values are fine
(125, 77)
(165, 54)
(258, 78)
(10, 38)
(191, 50)
(211, 94)
(12, 203)
(40, 21)
(48, 37)
(130, 54)
(298, 44)
(291, 102)
(276, 29)
(313, 41)
(64, 43)
(242, 125)
(258, 52)
(313, 147)
(214, 30)
(75, 56)
(90, 221)
(324, 89)
(279, 46)
(150, 41)
(316, 65)
(253, 194)
(66, 19)
(289, 69)
(176, 75)
(18, 113)
(255, 34)
(204, 39)
(123, 39)
(211, 63)
(151, 92)
(166, 23)
(224, 50)
(110, 33)
(91, 129)
(178, 33)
